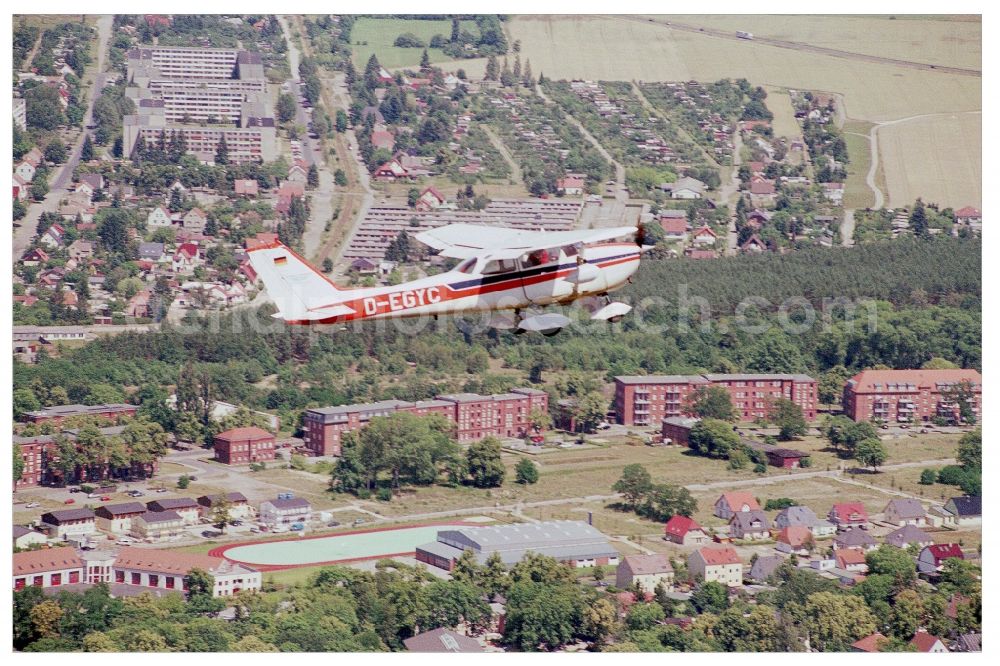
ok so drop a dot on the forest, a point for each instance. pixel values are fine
(927, 307)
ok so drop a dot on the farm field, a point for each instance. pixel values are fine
(939, 40)
(955, 182)
(611, 49)
(376, 35)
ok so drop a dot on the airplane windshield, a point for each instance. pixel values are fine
(466, 266)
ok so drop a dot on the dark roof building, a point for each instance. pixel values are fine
(442, 640)
(173, 504)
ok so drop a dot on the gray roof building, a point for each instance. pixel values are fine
(796, 515)
(172, 504)
(565, 540)
(854, 538)
(442, 640)
(765, 566)
(906, 535)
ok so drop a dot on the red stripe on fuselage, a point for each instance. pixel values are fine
(514, 282)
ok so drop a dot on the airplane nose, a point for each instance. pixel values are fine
(645, 248)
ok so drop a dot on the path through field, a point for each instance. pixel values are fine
(515, 168)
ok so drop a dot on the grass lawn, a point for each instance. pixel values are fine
(857, 194)
(780, 104)
(313, 487)
(908, 481)
(909, 448)
(377, 35)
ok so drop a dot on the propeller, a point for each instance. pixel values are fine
(640, 234)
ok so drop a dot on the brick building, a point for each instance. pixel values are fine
(648, 399)
(50, 567)
(475, 416)
(40, 454)
(241, 446)
(902, 396)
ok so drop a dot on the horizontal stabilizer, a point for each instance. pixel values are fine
(300, 291)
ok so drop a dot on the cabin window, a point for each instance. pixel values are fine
(499, 266)
(466, 266)
(539, 257)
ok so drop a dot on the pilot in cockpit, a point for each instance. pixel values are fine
(538, 257)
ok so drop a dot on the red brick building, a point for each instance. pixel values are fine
(902, 396)
(241, 446)
(41, 460)
(59, 413)
(475, 416)
(648, 399)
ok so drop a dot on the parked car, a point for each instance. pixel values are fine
(359, 521)
(162, 490)
(70, 501)
(32, 505)
(333, 523)
(208, 534)
(74, 490)
(235, 523)
(105, 498)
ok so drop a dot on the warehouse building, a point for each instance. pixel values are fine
(570, 541)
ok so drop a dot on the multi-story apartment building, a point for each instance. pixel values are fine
(254, 140)
(20, 113)
(475, 416)
(648, 399)
(905, 396)
(203, 96)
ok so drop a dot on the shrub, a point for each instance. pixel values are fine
(384, 495)
(951, 475)
(805, 462)
(928, 477)
(760, 468)
(184, 481)
(363, 493)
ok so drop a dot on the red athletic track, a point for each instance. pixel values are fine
(220, 551)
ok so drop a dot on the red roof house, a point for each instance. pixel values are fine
(685, 531)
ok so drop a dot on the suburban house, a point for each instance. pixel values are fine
(849, 514)
(684, 188)
(25, 537)
(68, 523)
(152, 252)
(908, 534)
(49, 567)
(925, 642)
(968, 511)
(796, 539)
(158, 217)
(185, 258)
(854, 538)
(284, 511)
(570, 185)
(969, 215)
(647, 571)
(429, 199)
(246, 187)
(872, 643)
(704, 236)
(117, 518)
(805, 517)
(685, 531)
(905, 511)
(194, 220)
(239, 506)
(186, 507)
(157, 525)
(851, 560)
(736, 502)
(931, 559)
(25, 170)
(764, 567)
(721, 565)
(53, 236)
(749, 526)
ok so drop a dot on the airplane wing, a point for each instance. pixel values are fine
(461, 241)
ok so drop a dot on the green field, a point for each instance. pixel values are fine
(371, 35)
(857, 194)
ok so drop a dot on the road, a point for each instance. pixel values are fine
(515, 168)
(321, 198)
(801, 46)
(356, 197)
(847, 228)
(25, 233)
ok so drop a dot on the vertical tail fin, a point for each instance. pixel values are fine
(299, 290)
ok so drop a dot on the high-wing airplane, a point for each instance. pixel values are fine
(500, 271)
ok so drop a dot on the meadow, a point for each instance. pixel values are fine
(377, 35)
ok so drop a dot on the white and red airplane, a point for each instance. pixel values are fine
(500, 270)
